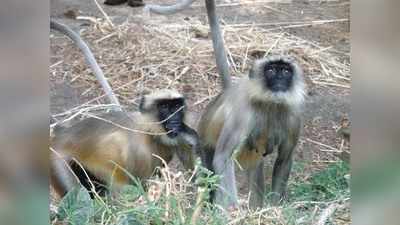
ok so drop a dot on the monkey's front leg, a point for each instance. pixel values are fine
(256, 185)
(280, 175)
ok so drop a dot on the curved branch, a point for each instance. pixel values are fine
(170, 9)
(89, 59)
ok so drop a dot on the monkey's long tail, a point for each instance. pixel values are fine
(89, 59)
(218, 44)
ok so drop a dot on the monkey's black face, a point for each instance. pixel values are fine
(171, 113)
(278, 76)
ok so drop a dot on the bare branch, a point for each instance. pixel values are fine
(89, 58)
(169, 9)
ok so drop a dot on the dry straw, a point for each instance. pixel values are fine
(153, 55)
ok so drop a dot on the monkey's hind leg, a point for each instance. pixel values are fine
(226, 193)
(62, 178)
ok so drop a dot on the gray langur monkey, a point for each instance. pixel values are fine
(250, 120)
(101, 150)
(115, 142)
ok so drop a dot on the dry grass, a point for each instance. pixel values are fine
(138, 57)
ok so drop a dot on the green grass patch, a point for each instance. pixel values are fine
(325, 185)
(133, 206)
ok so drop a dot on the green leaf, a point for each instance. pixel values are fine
(128, 220)
(76, 207)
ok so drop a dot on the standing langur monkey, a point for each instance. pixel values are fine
(111, 144)
(250, 120)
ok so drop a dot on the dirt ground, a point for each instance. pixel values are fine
(328, 107)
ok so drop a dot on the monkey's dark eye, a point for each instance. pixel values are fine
(286, 72)
(163, 106)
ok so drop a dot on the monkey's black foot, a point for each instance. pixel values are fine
(114, 2)
(135, 3)
(276, 199)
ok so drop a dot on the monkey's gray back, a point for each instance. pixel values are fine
(213, 119)
(90, 128)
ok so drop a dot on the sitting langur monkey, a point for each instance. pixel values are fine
(248, 121)
(110, 145)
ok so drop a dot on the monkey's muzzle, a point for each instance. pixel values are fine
(173, 128)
